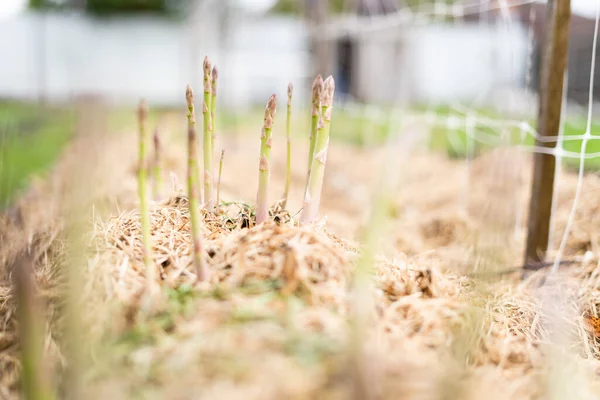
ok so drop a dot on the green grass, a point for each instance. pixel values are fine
(593, 146)
(31, 138)
(441, 141)
(346, 126)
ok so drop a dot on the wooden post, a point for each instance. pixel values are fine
(553, 65)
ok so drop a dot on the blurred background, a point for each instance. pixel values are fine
(442, 55)
(380, 51)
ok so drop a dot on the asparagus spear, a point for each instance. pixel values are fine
(312, 197)
(317, 90)
(213, 107)
(206, 107)
(262, 202)
(194, 186)
(288, 170)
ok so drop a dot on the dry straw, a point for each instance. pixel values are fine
(272, 315)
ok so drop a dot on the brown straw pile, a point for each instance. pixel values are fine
(271, 321)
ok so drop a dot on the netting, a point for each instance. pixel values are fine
(501, 114)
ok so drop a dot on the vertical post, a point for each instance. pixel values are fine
(552, 73)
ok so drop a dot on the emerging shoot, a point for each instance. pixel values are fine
(288, 171)
(157, 171)
(193, 183)
(219, 180)
(208, 147)
(317, 90)
(262, 201)
(312, 197)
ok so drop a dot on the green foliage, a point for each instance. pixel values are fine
(339, 6)
(106, 7)
(126, 6)
(38, 4)
(297, 6)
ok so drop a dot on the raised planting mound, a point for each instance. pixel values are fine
(143, 288)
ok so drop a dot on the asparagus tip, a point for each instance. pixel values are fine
(328, 89)
(206, 65)
(189, 95)
(215, 77)
(271, 105)
(317, 87)
(290, 89)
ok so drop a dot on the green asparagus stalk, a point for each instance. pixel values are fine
(194, 186)
(208, 156)
(317, 90)
(219, 180)
(143, 192)
(262, 202)
(288, 171)
(312, 197)
(213, 107)
(157, 165)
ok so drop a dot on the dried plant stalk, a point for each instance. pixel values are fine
(363, 365)
(317, 90)
(193, 182)
(35, 382)
(143, 193)
(219, 180)
(312, 197)
(157, 164)
(288, 170)
(208, 147)
(262, 201)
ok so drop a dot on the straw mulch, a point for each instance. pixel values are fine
(272, 320)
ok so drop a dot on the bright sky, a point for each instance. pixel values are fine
(11, 7)
(585, 7)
